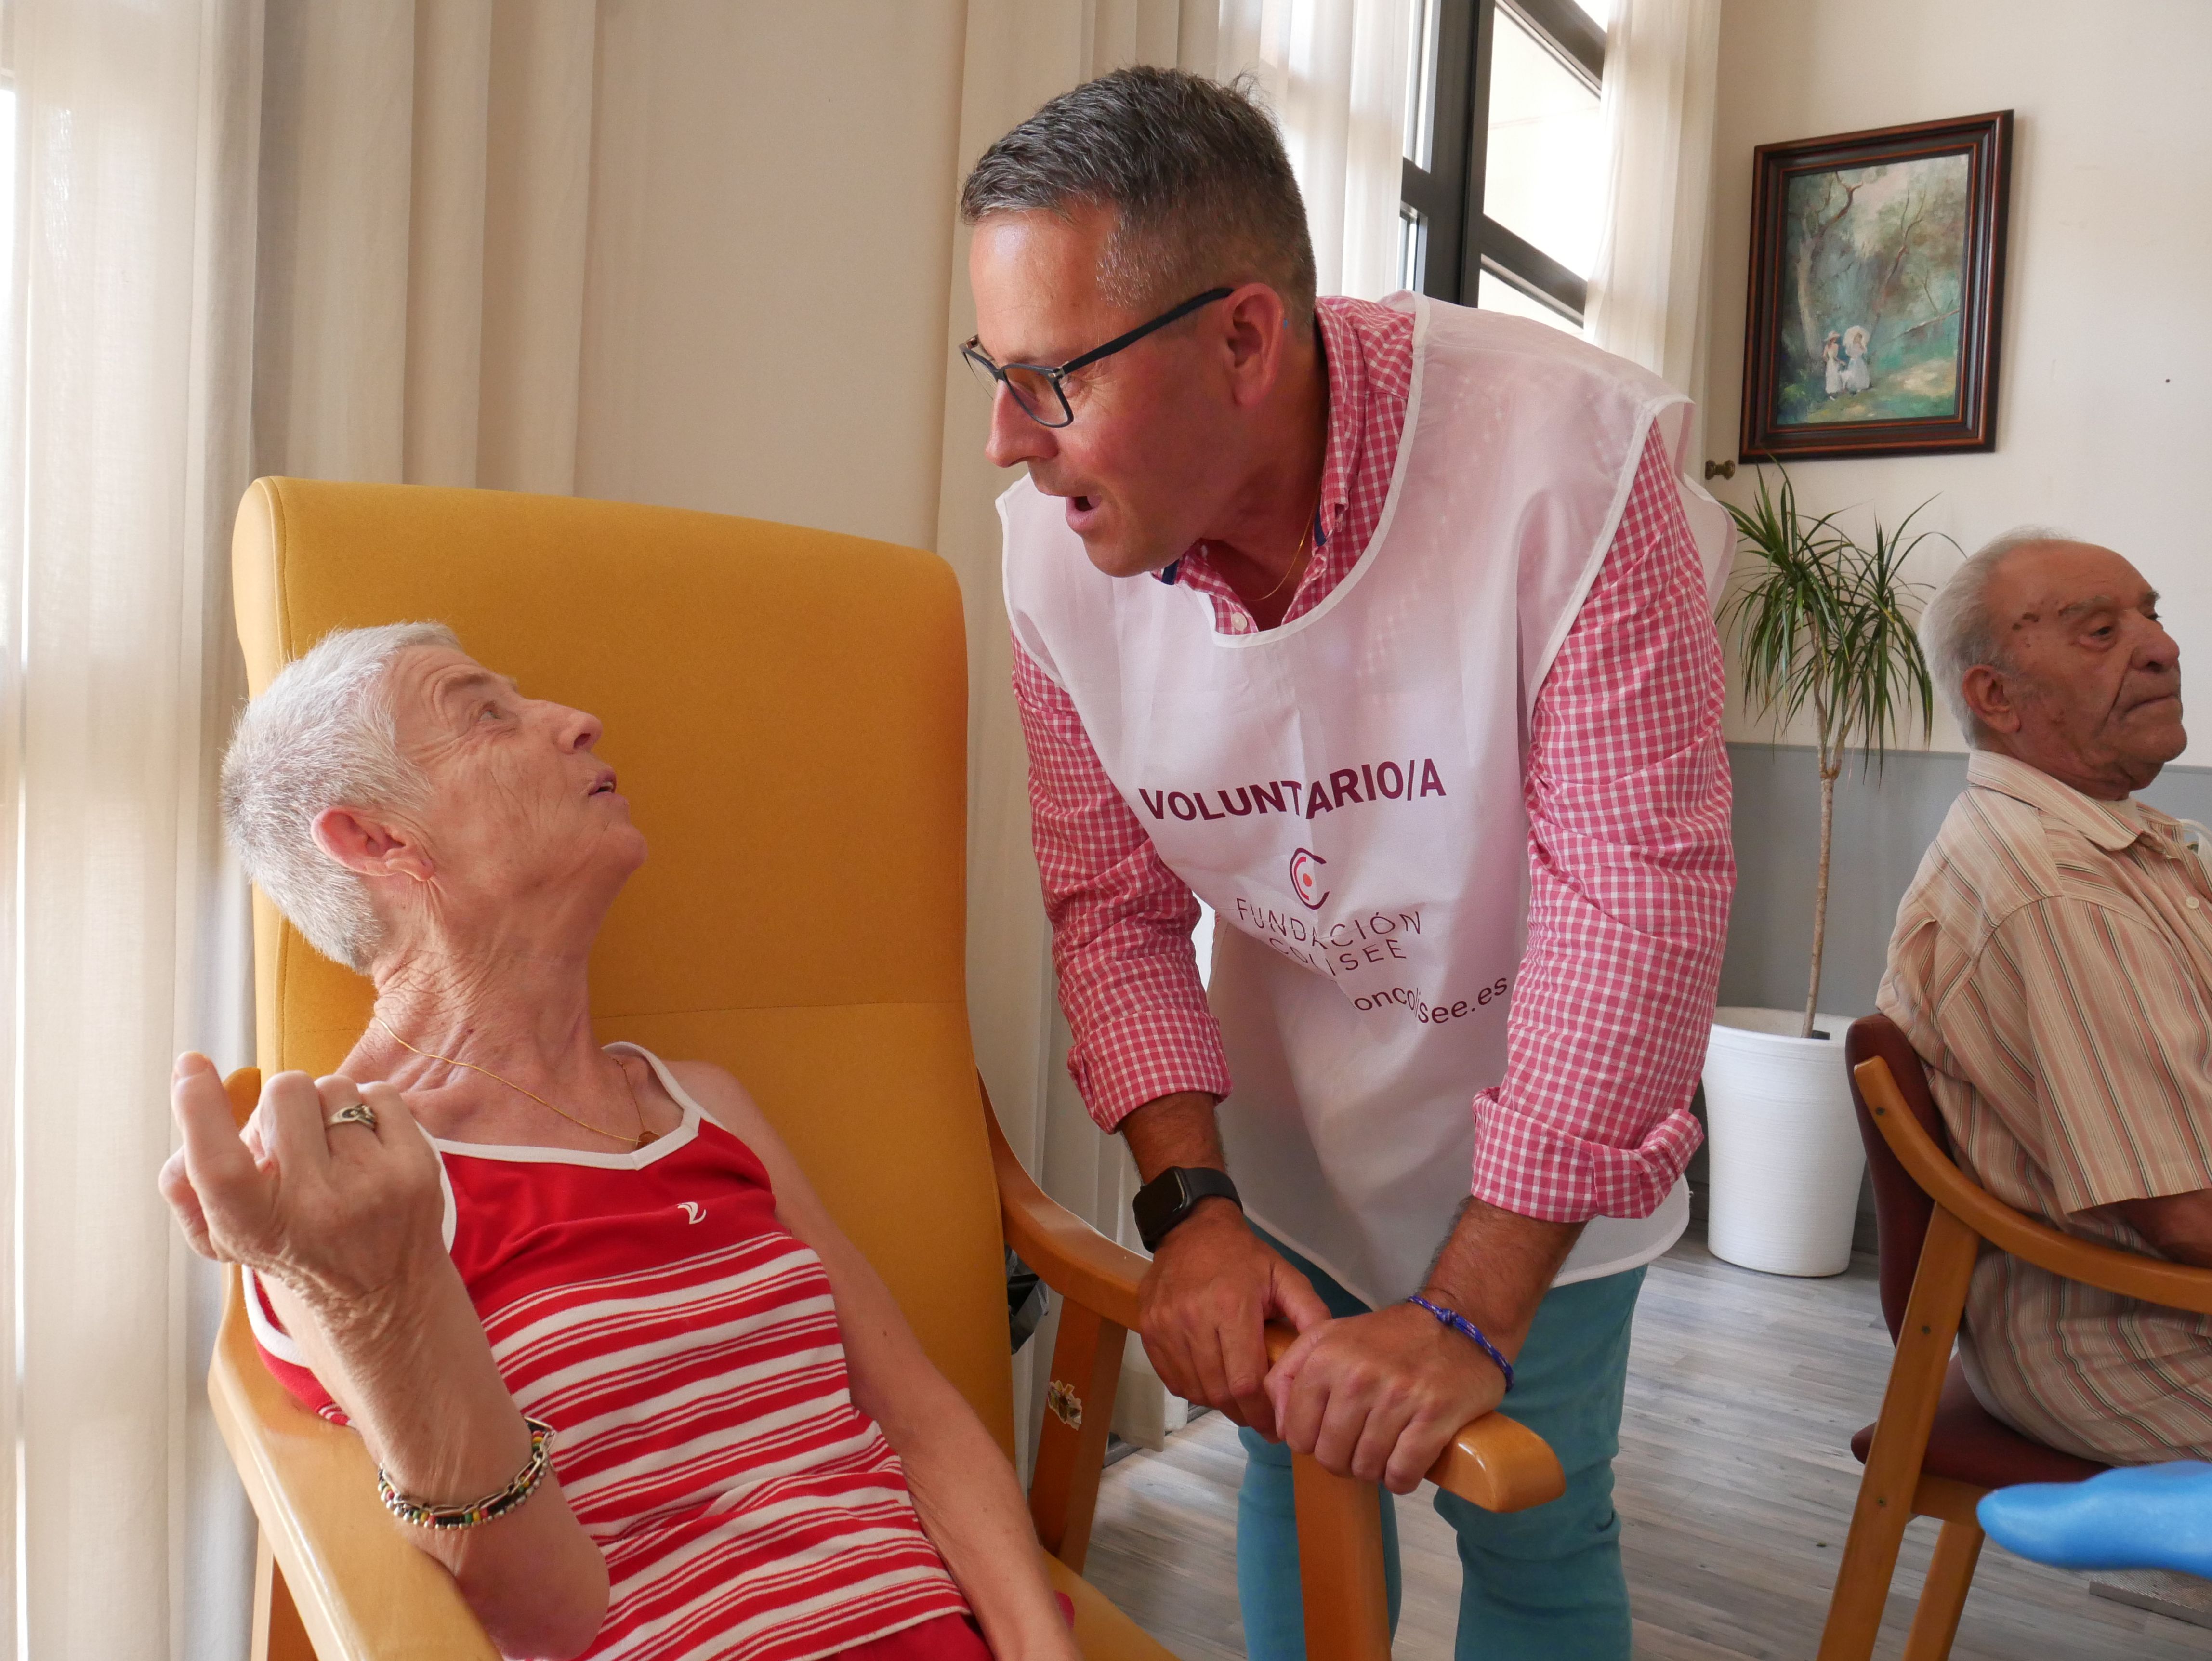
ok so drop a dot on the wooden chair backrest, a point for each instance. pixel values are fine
(1927, 1163)
(788, 709)
(1902, 1207)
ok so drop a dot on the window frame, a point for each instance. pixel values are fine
(1457, 240)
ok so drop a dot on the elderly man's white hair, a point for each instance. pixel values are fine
(322, 735)
(1957, 632)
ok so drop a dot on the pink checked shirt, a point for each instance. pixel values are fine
(1629, 858)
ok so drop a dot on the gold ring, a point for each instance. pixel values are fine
(360, 1113)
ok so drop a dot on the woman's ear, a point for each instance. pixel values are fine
(370, 846)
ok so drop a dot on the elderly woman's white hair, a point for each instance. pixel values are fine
(1957, 632)
(322, 735)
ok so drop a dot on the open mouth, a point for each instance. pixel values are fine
(605, 787)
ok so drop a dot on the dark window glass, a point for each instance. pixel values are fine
(1504, 175)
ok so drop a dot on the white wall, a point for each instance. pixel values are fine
(2104, 422)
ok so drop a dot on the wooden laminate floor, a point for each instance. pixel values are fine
(1735, 1483)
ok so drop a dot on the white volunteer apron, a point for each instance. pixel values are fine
(1345, 791)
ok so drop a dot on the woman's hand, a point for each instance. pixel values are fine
(344, 1220)
(346, 1216)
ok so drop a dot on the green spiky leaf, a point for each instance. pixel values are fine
(1826, 625)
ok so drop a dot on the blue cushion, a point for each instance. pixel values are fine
(2137, 1517)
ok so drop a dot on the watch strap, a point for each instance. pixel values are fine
(1173, 1195)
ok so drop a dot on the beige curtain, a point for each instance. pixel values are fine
(425, 202)
(1647, 294)
(1020, 53)
(682, 252)
(125, 450)
(1334, 72)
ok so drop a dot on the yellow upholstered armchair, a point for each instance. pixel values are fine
(788, 708)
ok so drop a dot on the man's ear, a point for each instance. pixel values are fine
(369, 846)
(1256, 321)
(1991, 699)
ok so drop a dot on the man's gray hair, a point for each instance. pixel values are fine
(322, 735)
(1957, 632)
(1195, 170)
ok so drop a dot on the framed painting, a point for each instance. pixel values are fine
(1877, 291)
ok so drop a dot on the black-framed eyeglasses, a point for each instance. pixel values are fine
(1037, 386)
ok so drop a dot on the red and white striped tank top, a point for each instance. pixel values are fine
(684, 1344)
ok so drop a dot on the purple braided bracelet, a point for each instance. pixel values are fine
(1466, 1328)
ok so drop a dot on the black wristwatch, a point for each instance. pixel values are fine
(1171, 1196)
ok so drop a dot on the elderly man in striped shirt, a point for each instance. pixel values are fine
(2052, 964)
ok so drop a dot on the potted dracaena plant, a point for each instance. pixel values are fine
(1825, 632)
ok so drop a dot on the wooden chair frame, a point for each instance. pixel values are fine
(311, 1487)
(1895, 1489)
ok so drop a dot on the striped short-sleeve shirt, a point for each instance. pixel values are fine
(2052, 964)
(684, 1346)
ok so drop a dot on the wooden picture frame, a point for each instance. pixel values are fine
(1877, 291)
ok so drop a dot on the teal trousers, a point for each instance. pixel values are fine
(1536, 1586)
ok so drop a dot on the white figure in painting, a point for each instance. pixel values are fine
(1832, 354)
(1857, 377)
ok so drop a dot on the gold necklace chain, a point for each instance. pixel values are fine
(643, 1135)
(1298, 563)
(1298, 555)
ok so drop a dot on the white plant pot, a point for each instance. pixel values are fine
(1786, 1159)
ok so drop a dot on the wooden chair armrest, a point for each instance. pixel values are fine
(362, 1593)
(1494, 1462)
(1097, 1280)
(1499, 1464)
(1074, 1258)
(2129, 1274)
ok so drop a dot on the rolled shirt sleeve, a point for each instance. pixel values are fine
(1121, 921)
(1631, 869)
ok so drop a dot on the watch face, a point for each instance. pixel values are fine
(1168, 1199)
(1159, 1205)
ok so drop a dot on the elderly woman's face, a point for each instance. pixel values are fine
(518, 803)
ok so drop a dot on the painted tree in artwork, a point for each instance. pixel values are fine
(1880, 248)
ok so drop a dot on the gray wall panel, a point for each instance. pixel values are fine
(1884, 822)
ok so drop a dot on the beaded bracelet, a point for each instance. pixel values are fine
(478, 1511)
(1459, 1323)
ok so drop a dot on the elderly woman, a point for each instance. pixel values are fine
(620, 1374)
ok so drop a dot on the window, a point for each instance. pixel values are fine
(1503, 195)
